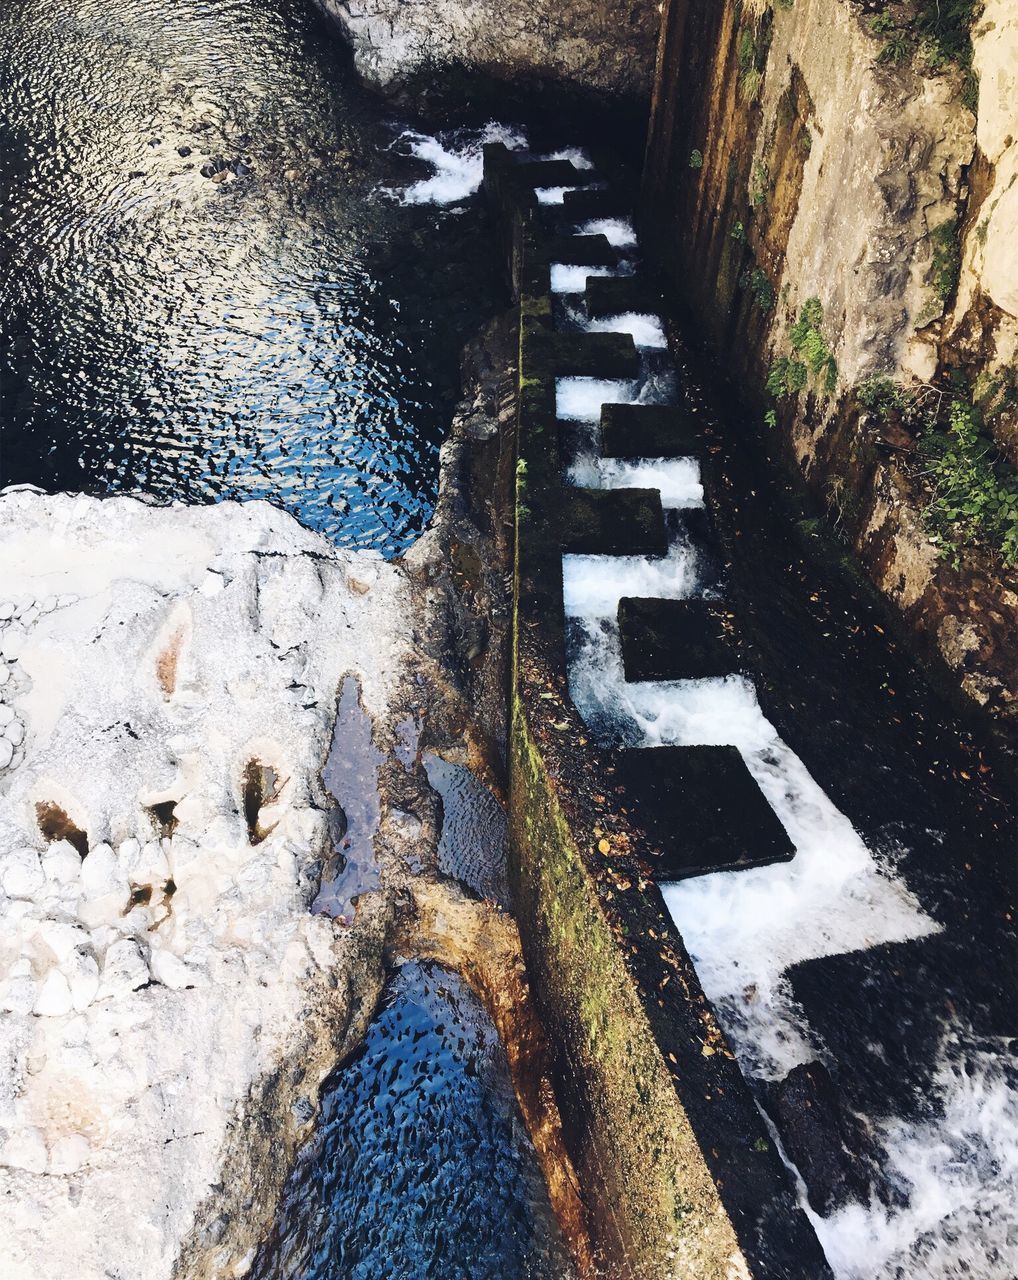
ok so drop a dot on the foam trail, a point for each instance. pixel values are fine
(593, 585)
(677, 479)
(960, 1171)
(619, 231)
(457, 158)
(553, 195)
(647, 330)
(577, 155)
(581, 398)
(567, 278)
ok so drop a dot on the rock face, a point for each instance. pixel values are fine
(604, 45)
(788, 162)
(170, 1004)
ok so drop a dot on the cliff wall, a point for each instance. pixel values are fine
(830, 189)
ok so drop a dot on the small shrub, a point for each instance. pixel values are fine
(812, 356)
(738, 232)
(975, 496)
(696, 159)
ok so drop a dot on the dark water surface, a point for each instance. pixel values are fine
(278, 330)
(420, 1166)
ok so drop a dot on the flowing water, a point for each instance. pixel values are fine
(206, 290)
(421, 1165)
(226, 274)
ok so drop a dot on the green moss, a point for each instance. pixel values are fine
(946, 259)
(696, 159)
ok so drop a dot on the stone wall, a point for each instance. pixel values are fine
(602, 45)
(787, 162)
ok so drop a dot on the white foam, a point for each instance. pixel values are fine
(552, 195)
(577, 155)
(593, 585)
(567, 278)
(457, 158)
(647, 330)
(677, 479)
(581, 399)
(960, 1171)
(619, 231)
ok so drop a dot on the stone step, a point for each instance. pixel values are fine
(592, 355)
(612, 522)
(702, 811)
(595, 203)
(614, 295)
(550, 173)
(648, 431)
(674, 639)
(909, 996)
(582, 251)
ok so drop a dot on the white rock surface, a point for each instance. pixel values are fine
(157, 652)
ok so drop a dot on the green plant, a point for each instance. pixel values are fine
(761, 289)
(946, 259)
(738, 231)
(786, 4)
(881, 23)
(812, 356)
(752, 55)
(696, 159)
(760, 185)
(974, 494)
(771, 418)
(896, 49)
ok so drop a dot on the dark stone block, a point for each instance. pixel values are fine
(583, 251)
(611, 522)
(910, 1000)
(549, 173)
(595, 204)
(673, 640)
(702, 808)
(591, 355)
(615, 295)
(826, 1143)
(648, 431)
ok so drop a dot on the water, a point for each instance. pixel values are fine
(281, 329)
(884, 949)
(420, 1165)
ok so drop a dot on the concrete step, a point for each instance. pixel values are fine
(648, 431)
(550, 173)
(909, 996)
(595, 203)
(614, 295)
(674, 639)
(592, 355)
(612, 522)
(702, 811)
(582, 251)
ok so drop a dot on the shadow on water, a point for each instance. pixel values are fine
(205, 292)
(421, 1165)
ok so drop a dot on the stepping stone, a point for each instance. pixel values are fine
(611, 522)
(616, 295)
(582, 251)
(549, 173)
(648, 431)
(701, 807)
(673, 640)
(592, 355)
(595, 204)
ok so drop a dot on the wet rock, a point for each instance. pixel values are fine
(827, 1145)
